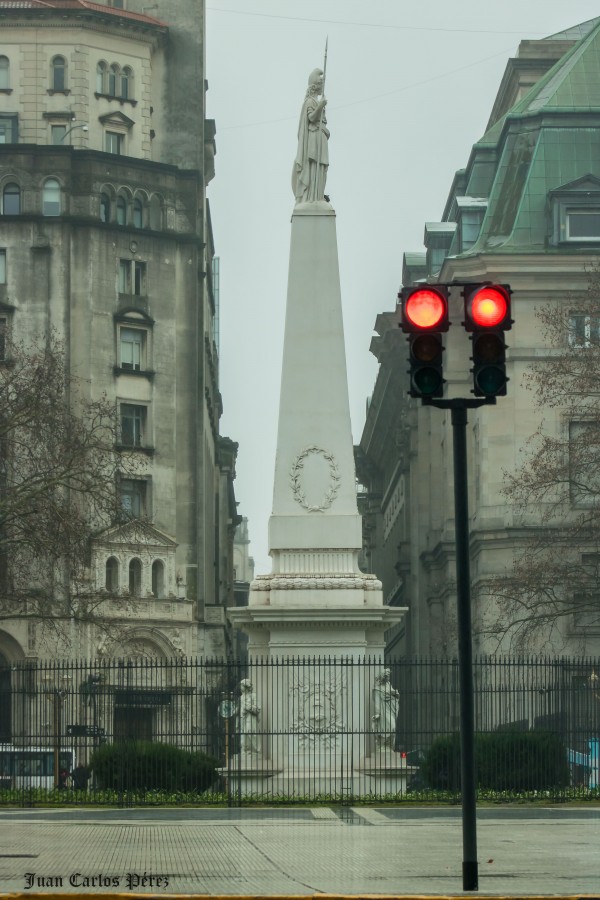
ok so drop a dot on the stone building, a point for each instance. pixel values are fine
(510, 217)
(105, 237)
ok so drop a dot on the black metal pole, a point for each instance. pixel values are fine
(465, 651)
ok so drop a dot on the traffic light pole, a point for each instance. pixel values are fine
(458, 408)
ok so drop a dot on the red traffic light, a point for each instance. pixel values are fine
(424, 309)
(487, 306)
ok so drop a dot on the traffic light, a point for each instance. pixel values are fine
(487, 317)
(424, 312)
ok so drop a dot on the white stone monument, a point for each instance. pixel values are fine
(316, 718)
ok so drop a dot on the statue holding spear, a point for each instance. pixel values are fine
(312, 158)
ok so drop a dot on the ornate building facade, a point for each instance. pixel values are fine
(105, 239)
(510, 217)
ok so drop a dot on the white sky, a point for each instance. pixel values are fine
(408, 94)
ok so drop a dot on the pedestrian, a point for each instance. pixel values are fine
(80, 777)
(63, 777)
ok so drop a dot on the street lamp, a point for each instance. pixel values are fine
(56, 695)
(83, 126)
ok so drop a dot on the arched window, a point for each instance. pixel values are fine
(126, 83)
(158, 579)
(4, 73)
(113, 74)
(58, 75)
(138, 213)
(135, 577)
(112, 575)
(51, 198)
(104, 208)
(11, 200)
(121, 211)
(101, 78)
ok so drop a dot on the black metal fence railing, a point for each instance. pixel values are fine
(152, 731)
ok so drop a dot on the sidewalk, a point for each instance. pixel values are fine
(298, 851)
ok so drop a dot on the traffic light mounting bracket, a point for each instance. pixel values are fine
(458, 402)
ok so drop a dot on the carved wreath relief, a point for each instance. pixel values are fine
(298, 482)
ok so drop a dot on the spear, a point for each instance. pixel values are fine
(321, 119)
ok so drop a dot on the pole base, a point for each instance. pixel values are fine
(470, 876)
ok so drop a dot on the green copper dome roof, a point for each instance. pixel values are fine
(550, 138)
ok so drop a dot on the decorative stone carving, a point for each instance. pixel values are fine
(249, 713)
(317, 698)
(312, 156)
(299, 491)
(316, 582)
(385, 710)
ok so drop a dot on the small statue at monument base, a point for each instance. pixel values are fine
(249, 713)
(385, 711)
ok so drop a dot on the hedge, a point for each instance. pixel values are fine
(148, 765)
(505, 761)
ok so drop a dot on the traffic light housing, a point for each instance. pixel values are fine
(424, 317)
(487, 317)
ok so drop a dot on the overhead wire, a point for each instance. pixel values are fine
(245, 12)
(405, 87)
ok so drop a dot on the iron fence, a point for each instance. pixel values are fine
(154, 731)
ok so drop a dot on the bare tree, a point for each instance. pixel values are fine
(556, 491)
(58, 483)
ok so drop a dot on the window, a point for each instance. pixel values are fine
(436, 257)
(470, 226)
(114, 142)
(132, 494)
(124, 276)
(51, 198)
(132, 277)
(126, 83)
(158, 578)
(121, 211)
(584, 463)
(117, 4)
(11, 199)
(583, 224)
(584, 330)
(133, 424)
(104, 208)
(113, 74)
(9, 129)
(58, 78)
(101, 77)
(58, 133)
(2, 266)
(112, 575)
(135, 577)
(138, 213)
(132, 348)
(4, 73)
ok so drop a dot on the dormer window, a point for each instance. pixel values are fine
(583, 224)
(574, 212)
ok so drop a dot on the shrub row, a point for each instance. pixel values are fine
(504, 760)
(146, 765)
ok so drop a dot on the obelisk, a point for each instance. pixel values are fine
(316, 602)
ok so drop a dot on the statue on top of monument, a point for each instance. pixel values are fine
(312, 158)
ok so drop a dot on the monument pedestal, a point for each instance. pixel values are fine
(317, 616)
